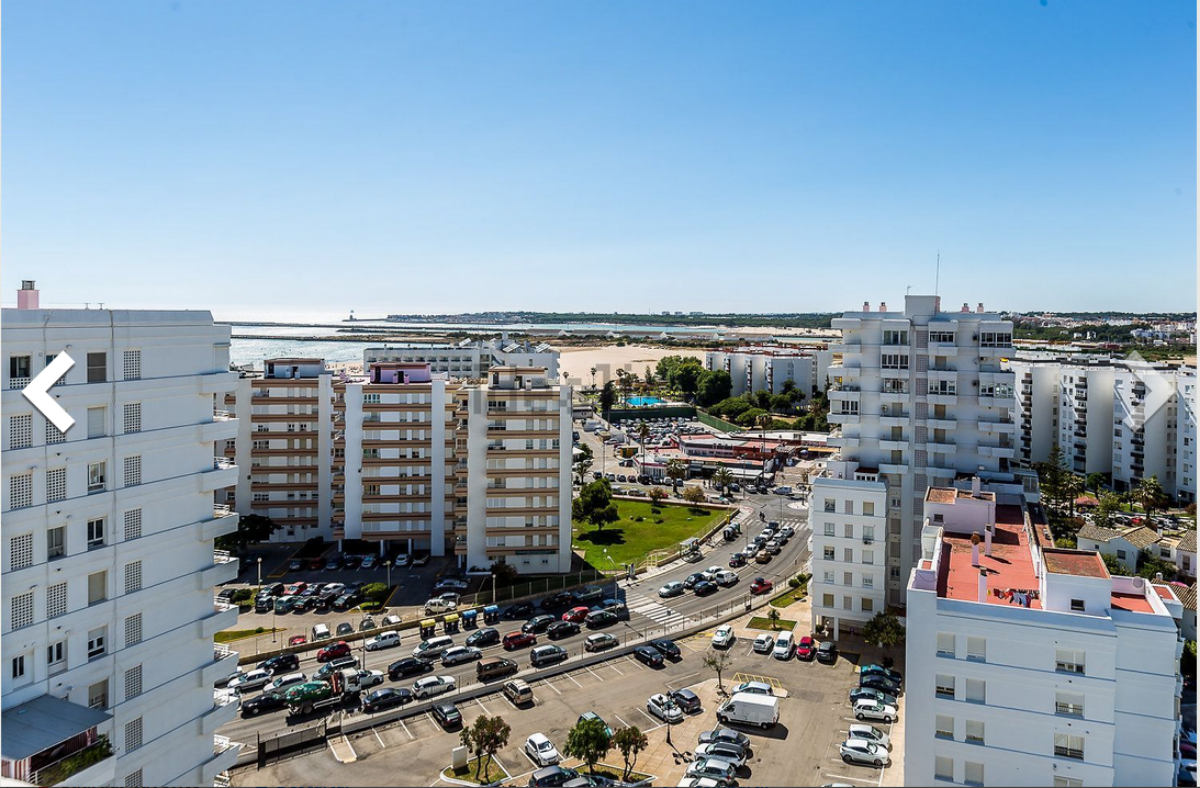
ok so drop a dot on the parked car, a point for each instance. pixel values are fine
(283, 663)
(297, 640)
(538, 624)
(764, 644)
(562, 629)
(391, 621)
(762, 557)
(588, 594)
(541, 656)
(724, 750)
(862, 751)
(880, 670)
(878, 696)
(806, 649)
(541, 750)
(754, 688)
(448, 715)
(334, 650)
(459, 655)
(451, 584)
(519, 610)
(409, 666)
(726, 734)
(518, 692)
(872, 734)
(366, 624)
(401, 560)
(686, 700)
(667, 648)
(432, 686)
(714, 768)
(518, 639)
(295, 565)
(591, 715)
(673, 588)
(601, 618)
(386, 698)
(691, 580)
(599, 642)
(664, 708)
(725, 578)
(251, 680)
(488, 636)
(870, 710)
(345, 628)
(723, 637)
(736, 560)
(420, 559)
(558, 601)
(761, 585)
(552, 777)
(369, 562)
(827, 652)
(875, 681)
(704, 588)
(648, 655)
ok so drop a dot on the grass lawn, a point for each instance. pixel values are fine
(762, 622)
(494, 773)
(230, 635)
(628, 541)
(793, 595)
(614, 773)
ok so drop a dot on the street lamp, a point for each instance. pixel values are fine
(260, 570)
(388, 565)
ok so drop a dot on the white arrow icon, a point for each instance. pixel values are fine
(37, 392)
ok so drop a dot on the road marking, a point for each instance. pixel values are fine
(406, 730)
(681, 681)
(624, 724)
(485, 710)
(647, 716)
(589, 670)
(573, 681)
(377, 738)
(847, 777)
(549, 684)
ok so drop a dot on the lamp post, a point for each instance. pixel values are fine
(260, 570)
(388, 566)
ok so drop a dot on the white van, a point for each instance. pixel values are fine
(785, 645)
(288, 680)
(433, 648)
(745, 708)
(320, 632)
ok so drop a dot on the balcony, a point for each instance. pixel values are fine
(225, 662)
(224, 521)
(998, 427)
(941, 447)
(92, 765)
(843, 418)
(893, 445)
(51, 741)
(941, 424)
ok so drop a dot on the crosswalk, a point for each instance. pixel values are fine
(652, 609)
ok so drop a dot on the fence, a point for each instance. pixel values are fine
(292, 741)
(617, 415)
(717, 423)
(533, 588)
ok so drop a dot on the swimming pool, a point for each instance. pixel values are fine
(639, 402)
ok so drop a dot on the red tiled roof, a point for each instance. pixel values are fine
(1081, 563)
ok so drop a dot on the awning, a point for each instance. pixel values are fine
(44, 722)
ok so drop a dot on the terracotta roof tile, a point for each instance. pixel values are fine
(1097, 534)
(1188, 542)
(1188, 598)
(1141, 537)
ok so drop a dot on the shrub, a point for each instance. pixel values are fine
(375, 592)
(658, 520)
(367, 606)
(259, 631)
(638, 519)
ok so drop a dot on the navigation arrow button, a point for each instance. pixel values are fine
(37, 392)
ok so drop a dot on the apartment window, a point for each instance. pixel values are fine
(972, 773)
(827, 600)
(133, 682)
(869, 508)
(133, 470)
(56, 484)
(830, 505)
(20, 431)
(20, 552)
(18, 667)
(56, 600)
(893, 361)
(868, 605)
(56, 656)
(847, 578)
(943, 768)
(133, 524)
(133, 417)
(133, 735)
(945, 644)
(131, 364)
(133, 630)
(98, 695)
(1067, 782)
(1068, 703)
(829, 578)
(944, 727)
(1068, 661)
(848, 555)
(20, 369)
(134, 779)
(830, 529)
(976, 690)
(945, 686)
(96, 419)
(54, 434)
(96, 643)
(977, 649)
(97, 587)
(848, 531)
(829, 554)
(20, 491)
(1067, 745)
(847, 602)
(133, 577)
(975, 731)
(97, 364)
(868, 556)
(97, 476)
(95, 533)
(848, 507)
(1077, 605)
(22, 610)
(868, 533)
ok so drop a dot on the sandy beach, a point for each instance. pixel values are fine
(577, 362)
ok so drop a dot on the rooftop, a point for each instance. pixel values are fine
(1081, 563)
(951, 494)
(1134, 603)
(1009, 567)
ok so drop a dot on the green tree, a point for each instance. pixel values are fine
(717, 662)
(713, 386)
(1187, 664)
(649, 377)
(251, 529)
(630, 742)
(730, 408)
(1073, 487)
(751, 417)
(686, 377)
(884, 630)
(484, 738)
(593, 378)
(608, 398)
(584, 462)
(504, 573)
(1151, 565)
(1115, 567)
(1149, 493)
(773, 617)
(375, 592)
(676, 471)
(1052, 476)
(657, 494)
(643, 433)
(1106, 511)
(693, 494)
(722, 478)
(761, 399)
(781, 403)
(1096, 482)
(588, 741)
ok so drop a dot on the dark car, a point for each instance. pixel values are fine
(880, 670)
(352, 561)
(538, 624)
(691, 580)
(601, 618)
(267, 701)
(344, 628)
(547, 655)
(827, 652)
(667, 648)
(558, 601)
(519, 610)
(274, 589)
(483, 637)
(704, 588)
(648, 655)
(227, 594)
(284, 663)
(859, 693)
(727, 735)
(589, 594)
(333, 563)
(409, 666)
(333, 651)
(326, 600)
(736, 560)
(552, 777)
(686, 700)
(386, 698)
(295, 565)
(345, 602)
(447, 714)
(316, 563)
(562, 629)
(881, 683)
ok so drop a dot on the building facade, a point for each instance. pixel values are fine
(468, 358)
(1037, 409)
(770, 367)
(108, 533)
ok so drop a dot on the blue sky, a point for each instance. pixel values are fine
(285, 157)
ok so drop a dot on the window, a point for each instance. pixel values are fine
(20, 491)
(1068, 661)
(1077, 605)
(869, 508)
(96, 642)
(97, 476)
(133, 630)
(944, 728)
(97, 367)
(1067, 782)
(973, 773)
(20, 431)
(976, 690)
(98, 695)
(20, 552)
(54, 434)
(868, 556)
(829, 554)
(56, 542)
(827, 600)
(20, 370)
(893, 360)
(133, 735)
(22, 610)
(97, 587)
(830, 505)
(56, 484)
(133, 577)
(945, 644)
(133, 682)
(975, 731)
(868, 533)
(847, 578)
(848, 507)
(977, 649)
(829, 578)
(132, 364)
(1067, 745)
(133, 470)
(848, 531)
(133, 417)
(18, 667)
(848, 555)
(1120, 555)
(868, 605)
(133, 524)
(56, 656)
(95, 533)
(96, 419)
(829, 529)
(134, 779)
(848, 602)
(56, 600)
(1068, 703)
(945, 686)
(943, 768)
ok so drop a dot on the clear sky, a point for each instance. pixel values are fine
(285, 157)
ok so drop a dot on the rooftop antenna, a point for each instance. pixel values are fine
(937, 277)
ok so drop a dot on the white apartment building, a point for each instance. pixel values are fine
(1185, 435)
(1085, 409)
(469, 358)
(1037, 409)
(921, 398)
(1029, 665)
(770, 367)
(108, 561)
(1144, 434)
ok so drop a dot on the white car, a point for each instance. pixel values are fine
(664, 708)
(370, 678)
(723, 637)
(872, 734)
(389, 621)
(451, 584)
(713, 768)
(726, 578)
(763, 644)
(714, 570)
(755, 688)
(382, 640)
(862, 751)
(401, 560)
(673, 588)
(867, 709)
(251, 680)
(541, 750)
(785, 645)
(430, 686)
(459, 654)
(701, 782)
(727, 752)
(333, 588)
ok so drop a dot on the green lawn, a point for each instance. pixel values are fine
(230, 635)
(764, 623)
(494, 773)
(628, 541)
(791, 596)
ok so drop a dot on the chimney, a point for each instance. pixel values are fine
(866, 306)
(883, 306)
(979, 308)
(27, 296)
(975, 549)
(975, 486)
(983, 585)
(1158, 578)
(966, 307)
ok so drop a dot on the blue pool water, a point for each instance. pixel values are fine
(639, 402)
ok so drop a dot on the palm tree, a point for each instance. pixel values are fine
(1073, 487)
(722, 478)
(676, 471)
(1149, 493)
(643, 433)
(593, 378)
(621, 382)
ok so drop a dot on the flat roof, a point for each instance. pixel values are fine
(1134, 603)
(44, 722)
(951, 494)
(1081, 563)
(1009, 567)
(293, 361)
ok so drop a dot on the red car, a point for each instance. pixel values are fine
(807, 648)
(333, 651)
(295, 588)
(575, 614)
(517, 639)
(297, 640)
(761, 585)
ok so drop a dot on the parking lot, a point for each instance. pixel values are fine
(802, 749)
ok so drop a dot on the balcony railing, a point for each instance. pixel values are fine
(222, 557)
(221, 510)
(221, 605)
(223, 743)
(74, 763)
(222, 415)
(18, 383)
(223, 463)
(1068, 752)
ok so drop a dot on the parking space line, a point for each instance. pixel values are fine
(647, 716)
(847, 777)
(573, 681)
(682, 682)
(485, 710)
(614, 667)
(624, 724)
(594, 673)
(550, 684)
(406, 730)
(377, 737)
